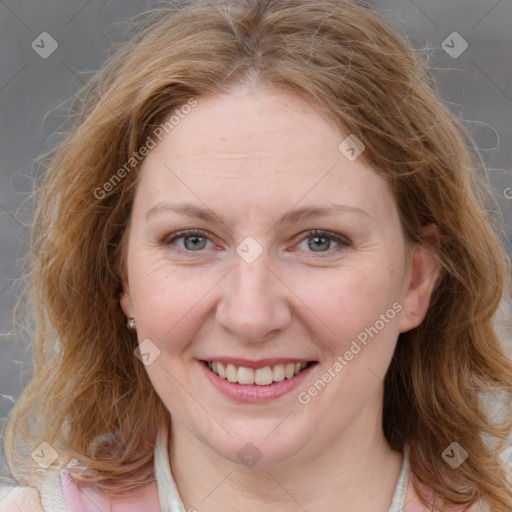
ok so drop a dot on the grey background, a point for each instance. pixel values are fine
(477, 86)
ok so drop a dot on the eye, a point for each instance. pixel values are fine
(317, 241)
(321, 241)
(193, 240)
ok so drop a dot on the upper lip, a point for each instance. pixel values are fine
(260, 363)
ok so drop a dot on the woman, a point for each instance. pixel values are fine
(264, 280)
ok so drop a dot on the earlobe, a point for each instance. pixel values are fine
(424, 271)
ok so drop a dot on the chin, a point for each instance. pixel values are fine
(273, 446)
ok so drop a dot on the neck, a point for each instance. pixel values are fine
(356, 469)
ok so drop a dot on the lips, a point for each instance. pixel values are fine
(260, 376)
(263, 389)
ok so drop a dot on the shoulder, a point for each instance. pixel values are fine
(20, 499)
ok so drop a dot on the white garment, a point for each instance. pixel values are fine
(52, 498)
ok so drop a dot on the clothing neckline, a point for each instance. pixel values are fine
(170, 500)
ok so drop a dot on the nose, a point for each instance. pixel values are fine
(253, 306)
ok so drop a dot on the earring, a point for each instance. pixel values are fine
(131, 323)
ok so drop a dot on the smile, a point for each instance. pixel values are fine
(255, 381)
(259, 376)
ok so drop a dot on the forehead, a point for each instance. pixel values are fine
(258, 148)
(260, 125)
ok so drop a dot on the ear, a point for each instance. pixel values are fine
(424, 271)
(126, 302)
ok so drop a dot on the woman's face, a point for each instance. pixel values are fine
(252, 291)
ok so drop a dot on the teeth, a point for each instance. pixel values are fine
(278, 372)
(263, 376)
(245, 375)
(260, 376)
(289, 370)
(231, 373)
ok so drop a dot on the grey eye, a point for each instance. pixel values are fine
(194, 242)
(319, 243)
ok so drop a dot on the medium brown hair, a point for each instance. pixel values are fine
(92, 400)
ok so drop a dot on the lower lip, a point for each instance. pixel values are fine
(251, 393)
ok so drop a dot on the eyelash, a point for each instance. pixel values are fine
(343, 242)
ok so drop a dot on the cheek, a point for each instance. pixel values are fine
(168, 298)
(348, 299)
(358, 308)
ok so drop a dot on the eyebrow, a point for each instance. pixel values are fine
(193, 211)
